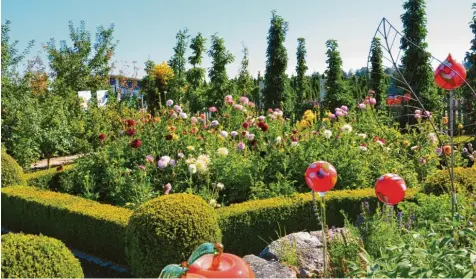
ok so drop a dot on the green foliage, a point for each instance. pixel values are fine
(376, 74)
(416, 68)
(245, 81)
(12, 173)
(167, 230)
(47, 179)
(177, 63)
(301, 68)
(84, 65)
(276, 63)
(30, 256)
(92, 227)
(422, 241)
(470, 58)
(336, 90)
(217, 72)
(344, 247)
(464, 181)
(244, 225)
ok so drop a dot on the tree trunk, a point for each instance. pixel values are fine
(48, 162)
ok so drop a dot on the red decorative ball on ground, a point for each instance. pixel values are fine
(390, 189)
(321, 176)
(450, 74)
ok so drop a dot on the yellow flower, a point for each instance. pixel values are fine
(301, 125)
(309, 115)
(163, 73)
(175, 137)
(325, 119)
(406, 142)
(191, 148)
(460, 126)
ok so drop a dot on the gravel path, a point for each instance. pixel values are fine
(55, 161)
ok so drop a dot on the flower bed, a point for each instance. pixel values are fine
(234, 154)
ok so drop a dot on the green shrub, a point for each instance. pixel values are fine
(47, 179)
(12, 173)
(31, 256)
(464, 181)
(92, 227)
(244, 225)
(167, 230)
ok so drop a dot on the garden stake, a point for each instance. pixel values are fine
(451, 129)
(323, 226)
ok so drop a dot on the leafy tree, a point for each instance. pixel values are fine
(245, 82)
(377, 74)
(149, 87)
(196, 75)
(470, 98)
(416, 68)
(84, 65)
(177, 63)
(276, 63)
(217, 73)
(336, 91)
(301, 68)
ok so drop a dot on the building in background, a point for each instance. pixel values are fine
(124, 87)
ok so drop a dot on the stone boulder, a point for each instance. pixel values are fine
(268, 269)
(302, 249)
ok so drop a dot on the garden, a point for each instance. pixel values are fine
(220, 178)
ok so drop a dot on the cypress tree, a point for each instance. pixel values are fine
(276, 63)
(377, 74)
(416, 66)
(177, 63)
(217, 73)
(301, 69)
(469, 97)
(336, 91)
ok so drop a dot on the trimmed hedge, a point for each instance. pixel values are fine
(32, 256)
(167, 230)
(464, 181)
(100, 229)
(246, 226)
(12, 173)
(87, 225)
(47, 179)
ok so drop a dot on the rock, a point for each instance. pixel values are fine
(301, 249)
(268, 269)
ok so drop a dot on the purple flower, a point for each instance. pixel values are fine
(361, 106)
(241, 146)
(251, 136)
(142, 167)
(372, 101)
(465, 150)
(339, 113)
(332, 116)
(172, 163)
(177, 108)
(169, 103)
(214, 123)
(344, 108)
(234, 133)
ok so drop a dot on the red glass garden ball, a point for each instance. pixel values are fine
(450, 74)
(230, 266)
(321, 176)
(390, 189)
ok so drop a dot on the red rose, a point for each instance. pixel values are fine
(295, 131)
(102, 137)
(136, 143)
(264, 127)
(168, 137)
(246, 125)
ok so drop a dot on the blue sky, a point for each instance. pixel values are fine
(147, 28)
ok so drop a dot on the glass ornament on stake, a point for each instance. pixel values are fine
(451, 75)
(321, 177)
(390, 189)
